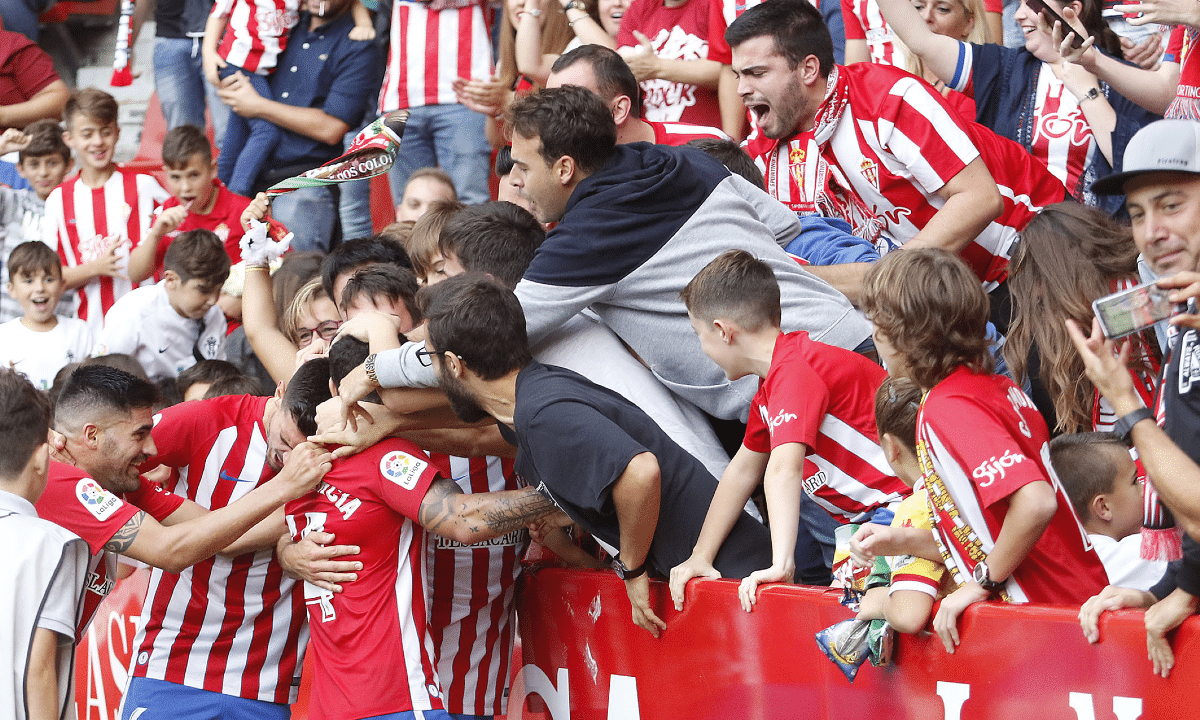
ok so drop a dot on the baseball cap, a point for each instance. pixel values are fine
(1161, 146)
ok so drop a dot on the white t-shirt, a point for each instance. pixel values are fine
(40, 355)
(143, 324)
(1124, 564)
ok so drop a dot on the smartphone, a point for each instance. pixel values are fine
(1133, 310)
(1050, 14)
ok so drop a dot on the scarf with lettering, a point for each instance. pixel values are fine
(823, 186)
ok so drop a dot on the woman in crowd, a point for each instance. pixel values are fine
(959, 19)
(1069, 120)
(310, 320)
(1070, 255)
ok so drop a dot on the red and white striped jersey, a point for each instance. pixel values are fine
(428, 50)
(864, 21)
(227, 625)
(256, 32)
(979, 440)
(371, 650)
(824, 397)
(897, 144)
(80, 218)
(668, 133)
(471, 606)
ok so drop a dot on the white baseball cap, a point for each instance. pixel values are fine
(1161, 146)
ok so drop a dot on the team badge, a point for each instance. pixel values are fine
(871, 172)
(796, 155)
(402, 469)
(98, 501)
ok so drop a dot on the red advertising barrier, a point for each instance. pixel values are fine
(585, 660)
(581, 658)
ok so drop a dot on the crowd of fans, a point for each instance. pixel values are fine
(730, 296)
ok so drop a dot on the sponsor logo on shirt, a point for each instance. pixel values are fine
(98, 501)
(1020, 400)
(780, 418)
(1189, 362)
(994, 466)
(513, 539)
(402, 469)
(814, 482)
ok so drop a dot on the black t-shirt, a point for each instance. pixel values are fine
(1181, 403)
(575, 438)
(181, 18)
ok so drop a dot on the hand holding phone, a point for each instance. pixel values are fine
(1043, 8)
(1133, 310)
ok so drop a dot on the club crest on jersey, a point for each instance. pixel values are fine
(402, 469)
(796, 155)
(870, 171)
(98, 501)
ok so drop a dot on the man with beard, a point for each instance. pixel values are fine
(599, 458)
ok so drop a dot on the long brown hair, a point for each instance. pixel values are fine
(556, 33)
(1069, 255)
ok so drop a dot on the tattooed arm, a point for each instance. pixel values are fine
(473, 517)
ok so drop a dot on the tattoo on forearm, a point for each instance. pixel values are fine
(506, 515)
(123, 539)
(445, 505)
(437, 507)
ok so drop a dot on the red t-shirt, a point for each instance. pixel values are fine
(370, 643)
(25, 69)
(980, 439)
(677, 33)
(75, 501)
(824, 397)
(224, 219)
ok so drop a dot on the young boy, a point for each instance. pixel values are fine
(199, 201)
(1003, 521)
(170, 326)
(425, 187)
(40, 343)
(1106, 488)
(812, 423)
(45, 564)
(97, 218)
(43, 160)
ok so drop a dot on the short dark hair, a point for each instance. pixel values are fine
(95, 389)
(738, 286)
(732, 156)
(345, 354)
(120, 361)
(612, 73)
(897, 402)
(91, 103)
(182, 144)
(29, 257)
(478, 319)
(307, 388)
(1083, 470)
(198, 255)
(796, 26)
(569, 120)
(395, 283)
(232, 385)
(24, 421)
(497, 238)
(357, 253)
(931, 308)
(504, 161)
(45, 138)
(204, 371)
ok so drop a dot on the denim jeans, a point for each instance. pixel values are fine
(182, 88)
(309, 213)
(450, 137)
(249, 142)
(355, 204)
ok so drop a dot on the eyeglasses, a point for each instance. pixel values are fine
(425, 356)
(326, 331)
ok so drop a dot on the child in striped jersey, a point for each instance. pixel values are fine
(252, 36)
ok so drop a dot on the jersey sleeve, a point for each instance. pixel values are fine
(1174, 53)
(854, 28)
(983, 446)
(919, 129)
(797, 399)
(404, 476)
(122, 331)
(178, 431)
(154, 500)
(61, 607)
(718, 49)
(908, 571)
(86, 509)
(758, 437)
(586, 474)
(32, 68)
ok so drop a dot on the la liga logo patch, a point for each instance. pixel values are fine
(402, 469)
(98, 501)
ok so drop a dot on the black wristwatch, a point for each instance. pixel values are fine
(1124, 425)
(981, 575)
(625, 573)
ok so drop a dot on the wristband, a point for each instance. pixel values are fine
(1124, 425)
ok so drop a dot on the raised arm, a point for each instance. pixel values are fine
(938, 52)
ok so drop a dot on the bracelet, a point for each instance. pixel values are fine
(1124, 425)
(369, 366)
(257, 266)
